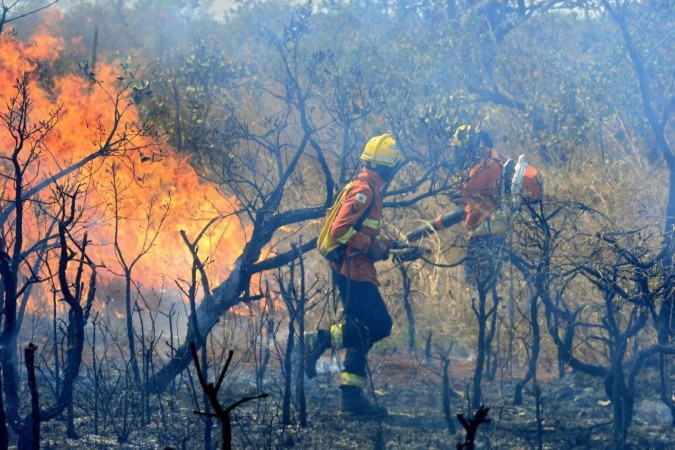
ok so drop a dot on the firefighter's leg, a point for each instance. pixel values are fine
(366, 319)
(353, 381)
(316, 342)
(366, 322)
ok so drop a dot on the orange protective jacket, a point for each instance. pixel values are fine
(481, 193)
(482, 196)
(363, 191)
(482, 190)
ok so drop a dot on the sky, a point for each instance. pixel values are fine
(220, 6)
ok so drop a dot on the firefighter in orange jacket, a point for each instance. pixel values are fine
(483, 218)
(365, 318)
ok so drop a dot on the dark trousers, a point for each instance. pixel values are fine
(365, 321)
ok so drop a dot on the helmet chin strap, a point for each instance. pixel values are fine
(387, 173)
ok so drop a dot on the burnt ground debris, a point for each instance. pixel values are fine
(576, 414)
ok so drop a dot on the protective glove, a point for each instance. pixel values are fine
(378, 250)
(407, 253)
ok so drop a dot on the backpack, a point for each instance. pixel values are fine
(521, 182)
(328, 247)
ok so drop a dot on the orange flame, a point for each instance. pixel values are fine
(147, 191)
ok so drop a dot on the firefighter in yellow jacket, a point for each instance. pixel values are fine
(365, 318)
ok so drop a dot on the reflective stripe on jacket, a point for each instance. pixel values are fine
(364, 190)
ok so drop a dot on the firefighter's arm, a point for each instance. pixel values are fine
(443, 221)
(483, 180)
(355, 204)
(478, 183)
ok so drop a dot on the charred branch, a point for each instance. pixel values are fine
(211, 390)
(471, 426)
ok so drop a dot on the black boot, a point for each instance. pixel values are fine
(316, 342)
(354, 404)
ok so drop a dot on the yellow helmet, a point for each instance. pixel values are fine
(471, 138)
(463, 135)
(382, 150)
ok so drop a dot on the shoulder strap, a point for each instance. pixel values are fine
(364, 216)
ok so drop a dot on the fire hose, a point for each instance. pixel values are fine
(402, 252)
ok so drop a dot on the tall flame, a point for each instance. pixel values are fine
(148, 190)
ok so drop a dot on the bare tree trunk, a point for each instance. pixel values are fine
(4, 432)
(407, 306)
(300, 317)
(207, 314)
(3, 19)
(666, 316)
(447, 407)
(481, 348)
(622, 398)
(471, 426)
(658, 123)
(538, 414)
(208, 420)
(131, 338)
(534, 352)
(288, 370)
(10, 381)
(95, 373)
(29, 437)
(666, 387)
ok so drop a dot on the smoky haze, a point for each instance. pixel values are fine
(167, 167)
